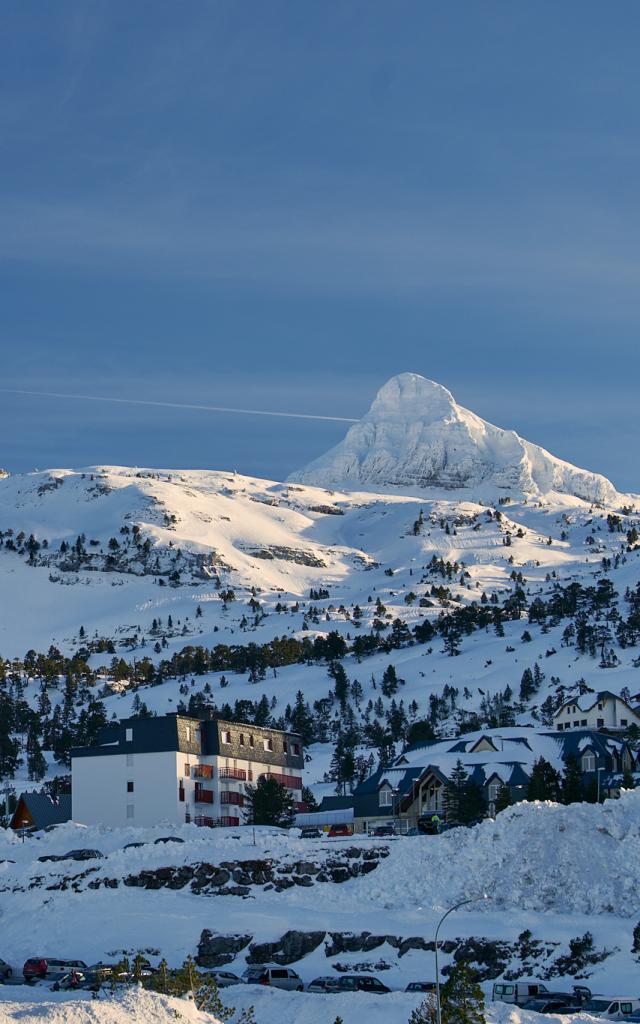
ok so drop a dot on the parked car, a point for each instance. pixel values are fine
(5, 970)
(421, 986)
(276, 977)
(73, 855)
(328, 984)
(49, 967)
(360, 983)
(612, 1007)
(340, 830)
(69, 981)
(224, 979)
(382, 830)
(518, 992)
(554, 1004)
(310, 833)
(168, 839)
(132, 846)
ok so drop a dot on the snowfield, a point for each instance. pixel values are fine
(271, 1007)
(553, 870)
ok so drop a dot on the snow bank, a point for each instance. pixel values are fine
(580, 859)
(120, 1008)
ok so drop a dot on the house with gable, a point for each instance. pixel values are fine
(603, 710)
(414, 787)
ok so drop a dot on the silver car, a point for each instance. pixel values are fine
(276, 977)
(224, 979)
(324, 984)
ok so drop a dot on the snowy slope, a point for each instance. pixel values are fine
(416, 435)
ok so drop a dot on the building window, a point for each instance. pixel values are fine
(285, 747)
(583, 722)
(187, 732)
(296, 748)
(385, 797)
(600, 722)
(129, 760)
(623, 721)
(130, 786)
(494, 791)
(250, 741)
(129, 810)
(226, 736)
(128, 735)
(589, 762)
(268, 743)
(599, 707)
(242, 739)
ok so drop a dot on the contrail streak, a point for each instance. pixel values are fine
(179, 405)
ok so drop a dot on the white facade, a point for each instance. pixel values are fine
(595, 711)
(127, 789)
(116, 787)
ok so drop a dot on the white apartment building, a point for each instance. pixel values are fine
(604, 710)
(177, 769)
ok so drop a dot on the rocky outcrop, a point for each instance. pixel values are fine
(293, 946)
(241, 877)
(215, 950)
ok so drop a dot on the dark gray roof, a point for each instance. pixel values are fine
(44, 811)
(336, 803)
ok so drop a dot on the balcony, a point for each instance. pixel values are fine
(229, 821)
(232, 798)
(202, 771)
(288, 781)
(234, 773)
(203, 822)
(203, 796)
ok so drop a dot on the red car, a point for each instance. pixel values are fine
(340, 830)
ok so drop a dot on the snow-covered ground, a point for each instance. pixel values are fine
(555, 871)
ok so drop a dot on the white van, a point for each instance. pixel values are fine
(612, 1007)
(518, 992)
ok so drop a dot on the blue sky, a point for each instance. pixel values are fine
(280, 205)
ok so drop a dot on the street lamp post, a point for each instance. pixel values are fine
(599, 771)
(462, 903)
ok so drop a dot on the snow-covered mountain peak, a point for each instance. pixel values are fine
(416, 435)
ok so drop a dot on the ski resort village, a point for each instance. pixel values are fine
(362, 742)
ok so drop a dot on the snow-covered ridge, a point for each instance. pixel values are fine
(416, 435)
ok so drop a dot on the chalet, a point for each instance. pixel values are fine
(604, 710)
(37, 810)
(414, 786)
(179, 769)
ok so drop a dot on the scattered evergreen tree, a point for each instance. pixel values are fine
(544, 782)
(572, 789)
(270, 803)
(462, 997)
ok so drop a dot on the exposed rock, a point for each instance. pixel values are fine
(215, 950)
(287, 950)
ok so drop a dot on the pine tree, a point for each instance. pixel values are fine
(527, 685)
(426, 1012)
(454, 792)
(462, 997)
(544, 782)
(572, 789)
(36, 762)
(270, 803)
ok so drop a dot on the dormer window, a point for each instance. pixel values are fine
(128, 735)
(588, 761)
(385, 797)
